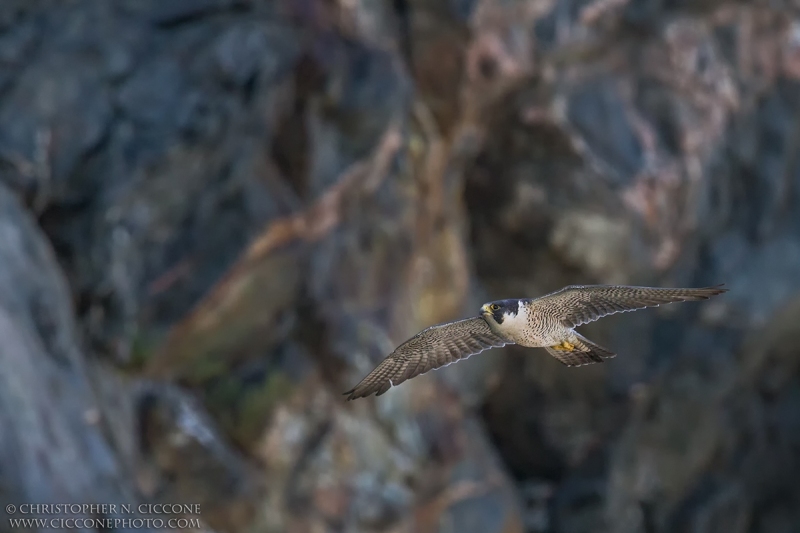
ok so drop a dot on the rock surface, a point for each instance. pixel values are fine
(217, 215)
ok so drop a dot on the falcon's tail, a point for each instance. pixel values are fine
(593, 348)
(580, 351)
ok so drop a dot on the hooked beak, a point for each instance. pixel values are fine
(485, 309)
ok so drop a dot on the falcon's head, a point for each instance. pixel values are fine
(500, 310)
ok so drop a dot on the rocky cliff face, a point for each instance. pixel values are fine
(216, 215)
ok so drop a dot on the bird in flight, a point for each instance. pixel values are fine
(547, 322)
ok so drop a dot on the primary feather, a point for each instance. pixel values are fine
(434, 347)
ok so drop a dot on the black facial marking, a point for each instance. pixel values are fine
(510, 307)
(498, 315)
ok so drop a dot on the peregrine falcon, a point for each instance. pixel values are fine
(547, 322)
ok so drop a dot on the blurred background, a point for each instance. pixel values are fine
(218, 215)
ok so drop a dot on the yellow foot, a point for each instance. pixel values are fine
(565, 346)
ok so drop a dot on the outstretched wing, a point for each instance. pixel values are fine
(579, 304)
(431, 348)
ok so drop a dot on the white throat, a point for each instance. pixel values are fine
(515, 326)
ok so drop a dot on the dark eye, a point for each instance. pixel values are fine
(494, 307)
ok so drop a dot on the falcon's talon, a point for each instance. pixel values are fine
(547, 322)
(564, 347)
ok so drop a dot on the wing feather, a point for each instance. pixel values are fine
(579, 304)
(432, 348)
